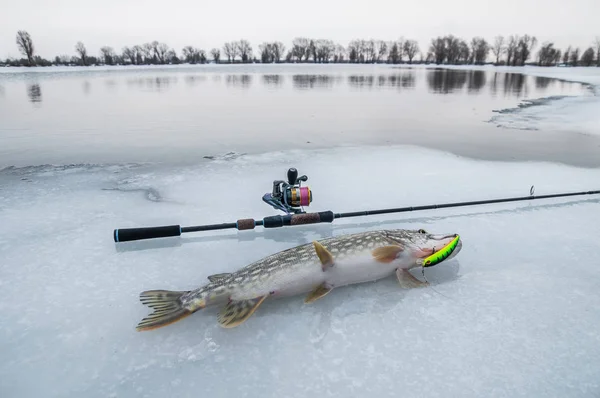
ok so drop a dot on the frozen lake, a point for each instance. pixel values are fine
(177, 115)
(515, 314)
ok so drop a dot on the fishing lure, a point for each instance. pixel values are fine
(441, 254)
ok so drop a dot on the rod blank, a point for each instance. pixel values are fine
(129, 234)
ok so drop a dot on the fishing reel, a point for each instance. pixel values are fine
(289, 196)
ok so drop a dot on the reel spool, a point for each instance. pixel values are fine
(289, 196)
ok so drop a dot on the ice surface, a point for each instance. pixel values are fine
(515, 314)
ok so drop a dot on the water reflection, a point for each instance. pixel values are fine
(446, 81)
(433, 81)
(361, 80)
(243, 81)
(514, 84)
(543, 82)
(272, 80)
(193, 80)
(34, 92)
(158, 83)
(404, 80)
(314, 81)
(477, 80)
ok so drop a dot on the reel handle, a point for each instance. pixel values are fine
(129, 234)
(292, 175)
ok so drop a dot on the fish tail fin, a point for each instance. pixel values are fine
(167, 307)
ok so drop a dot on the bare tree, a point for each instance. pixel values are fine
(498, 48)
(266, 53)
(139, 52)
(511, 50)
(216, 55)
(597, 44)
(25, 45)
(230, 50)
(271, 52)
(312, 51)
(129, 54)
(411, 48)
(575, 57)
(524, 47)
(453, 49)
(82, 51)
(356, 51)
(566, 56)
(587, 58)
(380, 50)
(245, 50)
(369, 50)
(191, 55)
(464, 52)
(548, 55)
(300, 48)
(438, 50)
(108, 55)
(339, 53)
(188, 53)
(278, 50)
(480, 49)
(145, 53)
(394, 56)
(159, 51)
(323, 50)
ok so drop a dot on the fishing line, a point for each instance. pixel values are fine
(431, 287)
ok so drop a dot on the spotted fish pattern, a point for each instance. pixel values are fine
(261, 271)
(290, 270)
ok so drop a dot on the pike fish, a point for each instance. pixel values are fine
(313, 269)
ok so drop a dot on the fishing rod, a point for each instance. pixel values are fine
(290, 197)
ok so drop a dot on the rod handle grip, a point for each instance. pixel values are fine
(129, 234)
(298, 219)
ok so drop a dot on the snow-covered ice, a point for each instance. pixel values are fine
(515, 314)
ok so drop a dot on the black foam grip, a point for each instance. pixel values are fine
(326, 216)
(128, 234)
(273, 222)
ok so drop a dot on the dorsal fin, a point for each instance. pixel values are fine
(324, 255)
(216, 277)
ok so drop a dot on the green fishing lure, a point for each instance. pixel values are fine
(441, 254)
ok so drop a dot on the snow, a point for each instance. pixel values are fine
(514, 314)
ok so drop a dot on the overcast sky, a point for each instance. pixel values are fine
(56, 26)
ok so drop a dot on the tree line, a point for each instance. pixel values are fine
(513, 50)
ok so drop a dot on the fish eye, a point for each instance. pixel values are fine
(422, 231)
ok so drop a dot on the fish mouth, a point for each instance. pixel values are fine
(435, 243)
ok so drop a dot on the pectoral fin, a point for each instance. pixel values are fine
(386, 254)
(324, 255)
(237, 312)
(216, 277)
(318, 292)
(407, 280)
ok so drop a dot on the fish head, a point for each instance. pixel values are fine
(420, 244)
